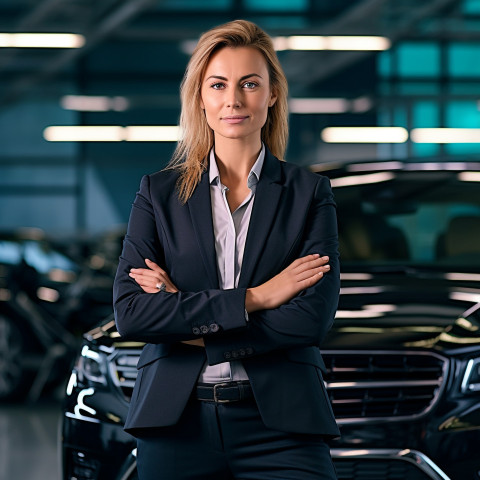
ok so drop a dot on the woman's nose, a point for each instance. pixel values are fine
(234, 99)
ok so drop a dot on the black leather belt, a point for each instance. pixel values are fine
(224, 392)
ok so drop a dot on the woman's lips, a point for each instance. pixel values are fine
(235, 119)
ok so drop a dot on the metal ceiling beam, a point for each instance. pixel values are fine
(117, 19)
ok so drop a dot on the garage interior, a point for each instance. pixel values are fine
(72, 196)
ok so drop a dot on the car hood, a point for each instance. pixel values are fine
(409, 309)
(385, 310)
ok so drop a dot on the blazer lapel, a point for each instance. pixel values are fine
(200, 208)
(267, 196)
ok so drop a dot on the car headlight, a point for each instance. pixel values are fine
(91, 367)
(471, 378)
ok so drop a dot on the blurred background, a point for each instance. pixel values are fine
(407, 71)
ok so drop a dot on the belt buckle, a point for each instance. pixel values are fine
(219, 400)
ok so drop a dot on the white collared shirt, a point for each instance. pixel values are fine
(230, 230)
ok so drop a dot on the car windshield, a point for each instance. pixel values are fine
(409, 218)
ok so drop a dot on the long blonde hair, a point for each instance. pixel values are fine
(190, 156)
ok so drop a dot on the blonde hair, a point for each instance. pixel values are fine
(190, 156)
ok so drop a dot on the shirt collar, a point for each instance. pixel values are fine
(253, 176)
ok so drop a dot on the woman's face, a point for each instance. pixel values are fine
(236, 94)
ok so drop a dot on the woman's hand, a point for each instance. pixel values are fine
(299, 275)
(152, 278)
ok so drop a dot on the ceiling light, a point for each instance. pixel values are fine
(362, 179)
(366, 167)
(318, 105)
(328, 105)
(445, 135)
(90, 103)
(112, 133)
(152, 134)
(83, 134)
(316, 42)
(364, 135)
(469, 176)
(41, 40)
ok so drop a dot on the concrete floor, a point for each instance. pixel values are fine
(28, 441)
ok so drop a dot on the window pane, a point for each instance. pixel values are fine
(276, 5)
(418, 59)
(425, 115)
(471, 7)
(464, 59)
(462, 114)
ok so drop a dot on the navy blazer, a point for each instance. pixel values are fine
(293, 215)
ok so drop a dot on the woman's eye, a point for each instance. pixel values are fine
(217, 86)
(249, 84)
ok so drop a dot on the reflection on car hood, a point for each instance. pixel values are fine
(410, 310)
(385, 310)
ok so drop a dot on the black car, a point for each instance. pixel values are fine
(403, 356)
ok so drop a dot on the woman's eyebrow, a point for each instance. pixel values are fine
(219, 77)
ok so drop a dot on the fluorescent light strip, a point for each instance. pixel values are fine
(91, 103)
(152, 134)
(112, 133)
(445, 135)
(41, 40)
(364, 135)
(469, 177)
(328, 105)
(347, 43)
(318, 105)
(362, 179)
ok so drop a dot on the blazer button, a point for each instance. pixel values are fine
(204, 329)
(249, 351)
(227, 355)
(235, 354)
(242, 352)
(214, 327)
(196, 331)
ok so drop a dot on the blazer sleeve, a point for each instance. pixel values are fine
(163, 316)
(306, 319)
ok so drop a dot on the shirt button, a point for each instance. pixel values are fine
(196, 331)
(214, 327)
(204, 329)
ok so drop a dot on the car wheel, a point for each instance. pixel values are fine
(14, 378)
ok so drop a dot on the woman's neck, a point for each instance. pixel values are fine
(235, 159)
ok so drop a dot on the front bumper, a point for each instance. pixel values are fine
(382, 464)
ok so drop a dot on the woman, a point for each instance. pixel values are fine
(230, 275)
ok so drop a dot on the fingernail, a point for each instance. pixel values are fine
(316, 255)
(327, 267)
(320, 274)
(147, 260)
(325, 258)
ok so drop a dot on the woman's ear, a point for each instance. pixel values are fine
(273, 99)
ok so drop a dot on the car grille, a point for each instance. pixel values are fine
(361, 386)
(380, 384)
(123, 369)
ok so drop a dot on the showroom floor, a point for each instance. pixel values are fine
(28, 441)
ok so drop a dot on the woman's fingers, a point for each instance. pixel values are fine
(152, 279)
(154, 266)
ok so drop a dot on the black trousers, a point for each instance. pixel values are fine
(230, 442)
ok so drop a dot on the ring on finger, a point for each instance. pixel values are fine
(160, 286)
